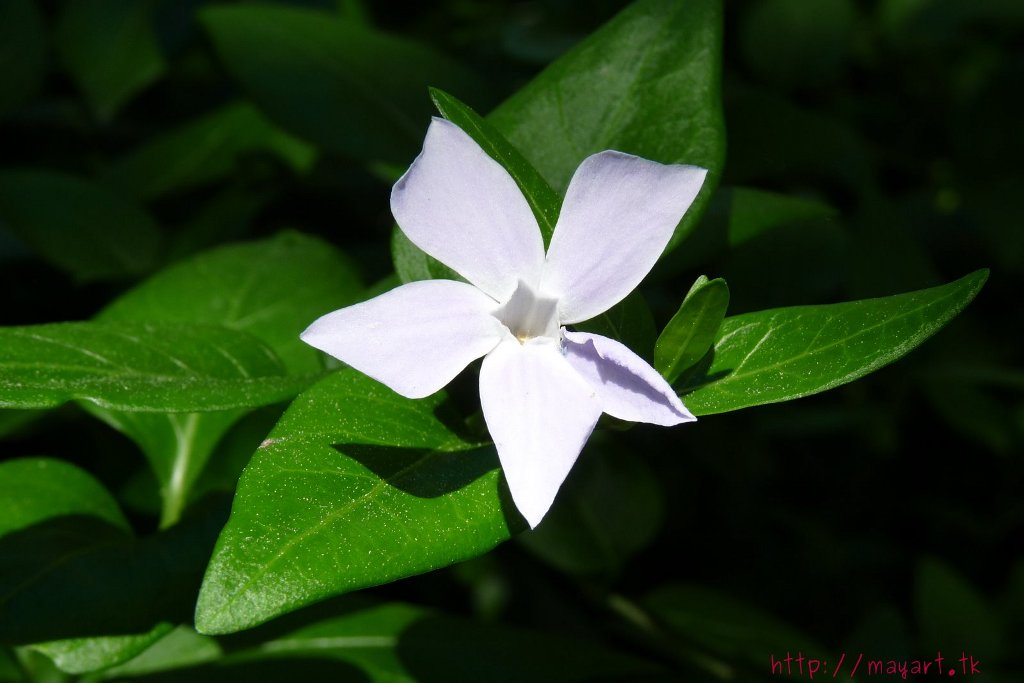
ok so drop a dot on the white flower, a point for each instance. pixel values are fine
(542, 388)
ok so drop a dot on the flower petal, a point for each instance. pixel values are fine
(464, 209)
(619, 213)
(415, 338)
(539, 412)
(627, 386)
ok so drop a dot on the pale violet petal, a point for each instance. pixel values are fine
(540, 413)
(464, 209)
(619, 213)
(415, 338)
(627, 386)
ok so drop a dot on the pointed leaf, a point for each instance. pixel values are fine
(367, 87)
(356, 486)
(691, 331)
(83, 655)
(646, 83)
(203, 150)
(78, 226)
(786, 353)
(139, 367)
(113, 64)
(542, 199)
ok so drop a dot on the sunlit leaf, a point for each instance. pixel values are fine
(139, 367)
(646, 83)
(84, 655)
(786, 353)
(691, 331)
(354, 487)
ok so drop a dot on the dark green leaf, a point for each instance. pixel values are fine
(22, 52)
(78, 226)
(753, 212)
(646, 83)
(204, 150)
(354, 487)
(159, 368)
(272, 289)
(629, 321)
(110, 49)
(33, 490)
(786, 353)
(609, 508)
(953, 615)
(73, 577)
(700, 616)
(544, 202)
(337, 83)
(691, 331)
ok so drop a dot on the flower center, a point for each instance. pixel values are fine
(528, 315)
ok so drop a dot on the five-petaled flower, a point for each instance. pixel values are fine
(542, 388)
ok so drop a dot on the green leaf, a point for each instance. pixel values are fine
(786, 353)
(716, 622)
(646, 83)
(691, 331)
(139, 367)
(203, 150)
(272, 289)
(33, 490)
(83, 655)
(22, 52)
(609, 508)
(78, 226)
(355, 486)
(74, 577)
(544, 201)
(109, 65)
(412, 263)
(952, 614)
(630, 321)
(753, 212)
(367, 87)
(180, 648)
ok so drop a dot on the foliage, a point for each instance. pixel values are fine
(189, 492)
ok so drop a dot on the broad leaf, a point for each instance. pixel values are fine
(646, 83)
(609, 508)
(544, 202)
(712, 621)
(950, 611)
(691, 331)
(23, 57)
(76, 577)
(84, 655)
(356, 486)
(112, 65)
(337, 83)
(139, 367)
(78, 226)
(204, 150)
(630, 321)
(786, 353)
(33, 490)
(272, 289)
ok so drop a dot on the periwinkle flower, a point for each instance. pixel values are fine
(542, 387)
